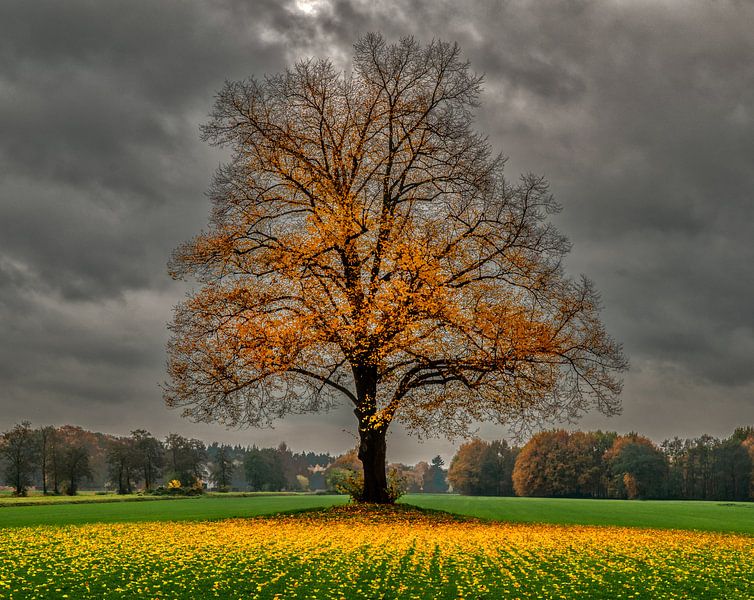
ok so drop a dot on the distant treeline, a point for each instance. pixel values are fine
(598, 464)
(557, 463)
(63, 460)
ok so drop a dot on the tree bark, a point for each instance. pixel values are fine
(372, 446)
(372, 452)
(44, 461)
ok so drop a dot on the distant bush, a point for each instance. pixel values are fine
(175, 488)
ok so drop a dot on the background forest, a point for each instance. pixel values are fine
(555, 463)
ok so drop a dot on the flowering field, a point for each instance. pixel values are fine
(349, 552)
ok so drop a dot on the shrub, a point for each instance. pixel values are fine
(353, 485)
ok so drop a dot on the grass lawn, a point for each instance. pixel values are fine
(731, 517)
(7, 499)
(183, 509)
(362, 553)
(705, 516)
(82, 497)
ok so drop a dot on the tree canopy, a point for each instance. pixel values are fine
(19, 449)
(482, 468)
(364, 244)
(638, 467)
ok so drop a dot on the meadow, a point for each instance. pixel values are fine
(88, 497)
(732, 517)
(172, 509)
(661, 514)
(329, 549)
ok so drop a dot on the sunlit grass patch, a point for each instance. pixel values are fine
(356, 552)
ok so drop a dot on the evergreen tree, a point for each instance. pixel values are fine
(221, 470)
(435, 479)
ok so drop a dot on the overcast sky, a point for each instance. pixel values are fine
(641, 114)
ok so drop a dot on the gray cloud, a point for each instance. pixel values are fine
(641, 114)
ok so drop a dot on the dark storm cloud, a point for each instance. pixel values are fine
(642, 116)
(640, 113)
(99, 108)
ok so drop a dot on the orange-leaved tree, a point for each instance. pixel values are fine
(365, 245)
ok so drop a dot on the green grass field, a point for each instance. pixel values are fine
(98, 549)
(7, 499)
(705, 516)
(83, 498)
(732, 517)
(184, 509)
(352, 552)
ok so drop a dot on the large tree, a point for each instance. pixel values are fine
(264, 470)
(122, 465)
(436, 477)
(222, 467)
(364, 244)
(46, 437)
(548, 465)
(482, 468)
(638, 468)
(185, 458)
(149, 456)
(18, 446)
(76, 466)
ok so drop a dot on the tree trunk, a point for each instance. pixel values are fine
(54, 465)
(44, 462)
(372, 447)
(372, 451)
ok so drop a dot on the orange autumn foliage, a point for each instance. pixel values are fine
(365, 244)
